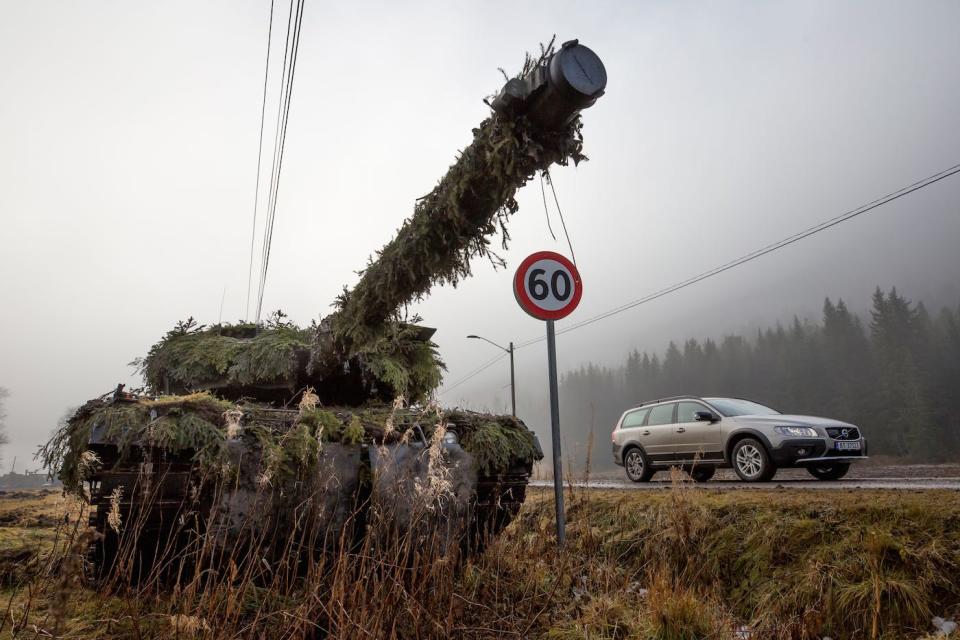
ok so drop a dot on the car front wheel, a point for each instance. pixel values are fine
(637, 466)
(829, 471)
(752, 462)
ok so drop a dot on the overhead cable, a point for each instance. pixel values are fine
(256, 192)
(294, 18)
(826, 224)
(475, 372)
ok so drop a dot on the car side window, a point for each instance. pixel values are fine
(634, 418)
(661, 414)
(687, 411)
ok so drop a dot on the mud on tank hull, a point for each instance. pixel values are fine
(158, 512)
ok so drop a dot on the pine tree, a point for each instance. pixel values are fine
(847, 362)
(901, 399)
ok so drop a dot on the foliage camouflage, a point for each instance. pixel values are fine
(495, 442)
(241, 358)
(198, 424)
(451, 224)
(176, 423)
(192, 356)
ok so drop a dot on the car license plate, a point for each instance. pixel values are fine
(848, 446)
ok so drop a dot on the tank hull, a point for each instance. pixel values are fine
(160, 514)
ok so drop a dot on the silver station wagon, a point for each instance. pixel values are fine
(701, 435)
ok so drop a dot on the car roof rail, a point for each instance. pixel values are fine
(668, 398)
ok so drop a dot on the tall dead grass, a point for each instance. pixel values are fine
(685, 563)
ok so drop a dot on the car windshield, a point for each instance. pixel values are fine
(735, 407)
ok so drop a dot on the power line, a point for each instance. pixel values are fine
(826, 224)
(546, 210)
(559, 212)
(280, 134)
(268, 226)
(486, 365)
(563, 222)
(256, 193)
(920, 184)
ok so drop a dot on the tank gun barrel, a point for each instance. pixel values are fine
(534, 124)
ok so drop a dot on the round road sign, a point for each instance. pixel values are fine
(547, 286)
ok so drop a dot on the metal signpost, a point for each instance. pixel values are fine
(547, 286)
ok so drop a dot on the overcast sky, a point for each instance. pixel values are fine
(128, 139)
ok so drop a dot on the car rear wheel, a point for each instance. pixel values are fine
(637, 465)
(702, 474)
(829, 471)
(752, 462)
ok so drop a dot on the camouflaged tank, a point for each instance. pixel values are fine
(297, 439)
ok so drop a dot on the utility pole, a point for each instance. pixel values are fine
(513, 385)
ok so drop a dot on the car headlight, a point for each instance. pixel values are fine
(450, 437)
(796, 432)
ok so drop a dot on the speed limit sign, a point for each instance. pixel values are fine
(547, 286)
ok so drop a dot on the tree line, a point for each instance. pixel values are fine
(897, 375)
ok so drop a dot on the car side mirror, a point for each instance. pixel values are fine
(705, 416)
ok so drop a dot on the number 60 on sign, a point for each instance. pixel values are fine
(547, 285)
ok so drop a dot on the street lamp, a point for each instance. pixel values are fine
(513, 388)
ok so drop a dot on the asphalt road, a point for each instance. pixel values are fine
(786, 483)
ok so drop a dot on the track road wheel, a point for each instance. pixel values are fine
(637, 466)
(702, 473)
(752, 462)
(833, 471)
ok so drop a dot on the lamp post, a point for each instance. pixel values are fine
(513, 388)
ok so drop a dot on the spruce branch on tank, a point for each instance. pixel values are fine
(451, 225)
(198, 425)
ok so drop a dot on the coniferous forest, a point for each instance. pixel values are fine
(895, 373)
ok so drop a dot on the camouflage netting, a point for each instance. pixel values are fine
(201, 424)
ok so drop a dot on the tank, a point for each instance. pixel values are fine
(323, 432)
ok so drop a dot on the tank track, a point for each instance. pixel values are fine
(499, 498)
(167, 509)
(154, 513)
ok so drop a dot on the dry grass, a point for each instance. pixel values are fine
(683, 564)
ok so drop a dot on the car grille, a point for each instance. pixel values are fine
(837, 433)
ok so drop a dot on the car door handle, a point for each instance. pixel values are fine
(646, 432)
(680, 429)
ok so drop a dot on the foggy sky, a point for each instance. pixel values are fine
(128, 138)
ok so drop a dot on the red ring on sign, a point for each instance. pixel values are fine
(528, 305)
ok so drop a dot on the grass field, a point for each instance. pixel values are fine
(687, 563)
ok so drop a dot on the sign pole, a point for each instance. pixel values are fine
(555, 433)
(548, 287)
